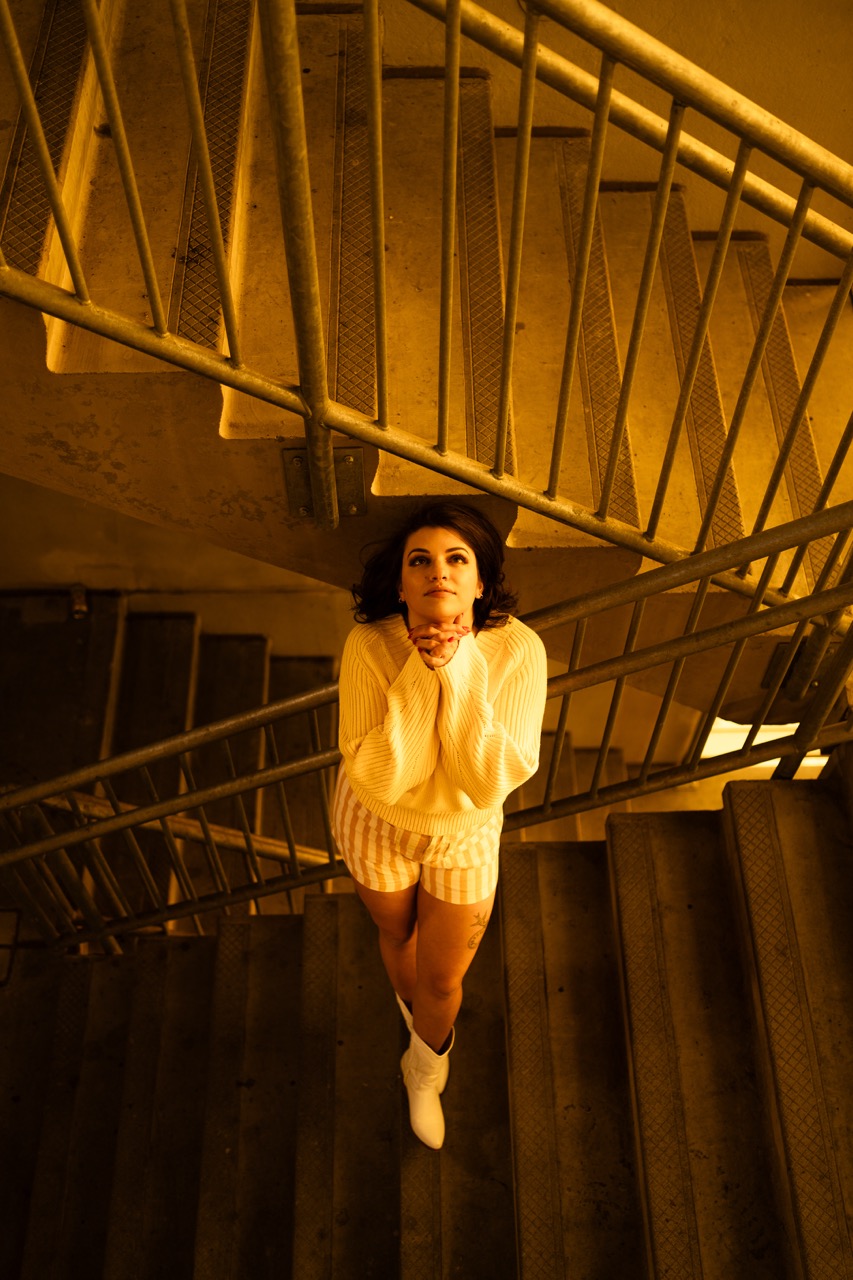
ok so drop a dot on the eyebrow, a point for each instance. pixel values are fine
(424, 551)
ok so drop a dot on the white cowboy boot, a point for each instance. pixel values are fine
(425, 1074)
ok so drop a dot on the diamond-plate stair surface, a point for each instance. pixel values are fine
(705, 421)
(601, 1212)
(194, 307)
(54, 71)
(803, 477)
(352, 337)
(790, 850)
(662, 1144)
(598, 356)
(673, 895)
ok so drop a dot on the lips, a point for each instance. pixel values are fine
(441, 591)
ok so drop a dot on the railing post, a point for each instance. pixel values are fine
(284, 88)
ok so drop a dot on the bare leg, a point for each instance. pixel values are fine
(447, 938)
(395, 916)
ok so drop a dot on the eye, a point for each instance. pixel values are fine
(460, 558)
(416, 560)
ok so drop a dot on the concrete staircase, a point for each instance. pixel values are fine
(94, 418)
(650, 1077)
(76, 689)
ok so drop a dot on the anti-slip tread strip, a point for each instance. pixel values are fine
(352, 331)
(705, 420)
(481, 272)
(54, 73)
(598, 356)
(671, 1225)
(781, 380)
(195, 307)
(784, 1014)
(531, 1086)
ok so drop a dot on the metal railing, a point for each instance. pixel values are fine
(89, 866)
(620, 44)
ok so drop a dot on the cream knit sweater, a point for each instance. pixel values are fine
(439, 751)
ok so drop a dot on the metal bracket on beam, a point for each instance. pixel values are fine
(349, 478)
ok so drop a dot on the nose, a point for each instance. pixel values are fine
(438, 572)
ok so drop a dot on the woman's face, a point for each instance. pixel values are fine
(439, 580)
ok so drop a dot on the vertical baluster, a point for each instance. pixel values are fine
(189, 74)
(560, 736)
(251, 858)
(448, 213)
(674, 678)
(839, 302)
(137, 857)
(284, 86)
(98, 865)
(699, 337)
(281, 799)
(212, 855)
(124, 160)
(39, 143)
(734, 658)
(317, 745)
(838, 459)
(762, 338)
(377, 200)
(644, 294)
(616, 699)
(182, 877)
(582, 255)
(519, 200)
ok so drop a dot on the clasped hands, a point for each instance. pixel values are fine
(436, 642)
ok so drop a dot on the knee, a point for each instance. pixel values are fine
(441, 984)
(396, 933)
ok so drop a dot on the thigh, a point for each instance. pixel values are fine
(394, 913)
(448, 937)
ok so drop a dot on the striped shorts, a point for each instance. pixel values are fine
(460, 869)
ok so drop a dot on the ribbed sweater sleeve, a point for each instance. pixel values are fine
(387, 724)
(490, 742)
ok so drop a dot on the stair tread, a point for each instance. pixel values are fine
(792, 846)
(347, 1198)
(703, 1131)
(245, 1222)
(56, 682)
(171, 1080)
(57, 1120)
(602, 1222)
(474, 1173)
(28, 1004)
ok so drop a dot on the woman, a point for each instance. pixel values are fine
(442, 694)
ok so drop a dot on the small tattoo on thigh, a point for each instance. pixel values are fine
(480, 922)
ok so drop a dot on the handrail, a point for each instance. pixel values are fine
(681, 78)
(175, 745)
(582, 87)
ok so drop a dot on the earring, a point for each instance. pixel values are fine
(479, 595)
(401, 599)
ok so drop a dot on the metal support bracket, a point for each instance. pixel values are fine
(349, 478)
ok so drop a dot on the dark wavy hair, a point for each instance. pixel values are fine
(377, 595)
